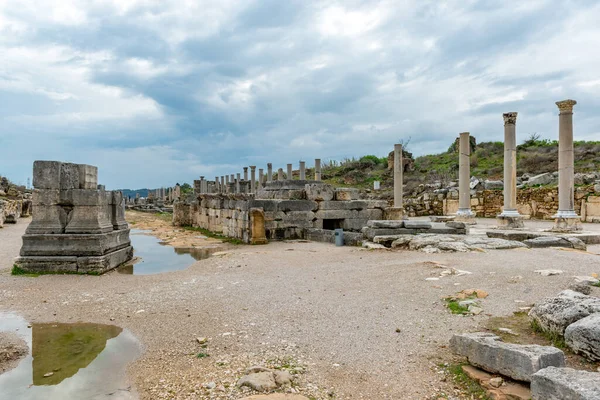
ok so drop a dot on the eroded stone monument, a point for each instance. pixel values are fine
(77, 226)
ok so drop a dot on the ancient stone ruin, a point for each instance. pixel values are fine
(77, 225)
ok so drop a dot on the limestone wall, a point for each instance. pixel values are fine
(535, 203)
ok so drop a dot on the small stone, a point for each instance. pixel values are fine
(475, 310)
(201, 340)
(496, 382)
(548, 272)
(210, 385)
(581, 287)
(509, 331)
(48, 374)
(481, 294)
(282, 377)
(398, 330)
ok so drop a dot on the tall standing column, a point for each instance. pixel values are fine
(398, 176)
(510, 217)
(280, 174)
(246, 174)
(317, 169)
(302, 170)
(261, 177)
(566, 219)
(290, 171)
(464, 179)
(226, 183)
(253, 179)
(269, 172)
(237, 183)
(217, 186)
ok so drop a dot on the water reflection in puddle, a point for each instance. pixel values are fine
(157, 257)
(69, 361)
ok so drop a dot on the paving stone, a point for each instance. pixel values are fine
(583, 336)
(516, 361)
(565, 384)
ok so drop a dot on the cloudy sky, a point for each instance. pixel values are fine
(158, 92)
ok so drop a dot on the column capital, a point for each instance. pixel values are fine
(245, 168)
(253, 167)
(510, 118)
(269, 165)
(566, 106)
(464, 133)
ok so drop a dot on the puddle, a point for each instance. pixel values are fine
(69, 361)
(157, 257)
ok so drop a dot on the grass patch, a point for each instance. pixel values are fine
(18, 271)
(213, 235)
(554, 338)
(468, 385)
(597, 284)
(202, 355)
(452, 303)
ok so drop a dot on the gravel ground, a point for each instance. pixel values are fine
(12, 350)
(352, 323)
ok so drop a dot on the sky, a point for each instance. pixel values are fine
(159, 92)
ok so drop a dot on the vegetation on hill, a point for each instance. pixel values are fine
(534, 156)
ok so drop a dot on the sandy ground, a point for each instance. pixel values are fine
(355, 324)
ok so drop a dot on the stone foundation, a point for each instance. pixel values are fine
(77, 226)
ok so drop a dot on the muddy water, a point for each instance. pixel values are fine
(156, 257)
(69, 361)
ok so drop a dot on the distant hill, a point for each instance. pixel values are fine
(131, 193)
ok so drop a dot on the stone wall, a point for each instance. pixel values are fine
(534, 203)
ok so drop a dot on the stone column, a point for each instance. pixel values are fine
(217, 186)
(302, 170)
(246, 174)
(237, 183)
(280, 174)
(290, 171)
(269, 172)
(202, 188)
(253, 179)
(566, 219)
(510, 217)
(261, 177)
(226, 183)
(317, 169)
(223, 187)
(398, 176)
(464, 213)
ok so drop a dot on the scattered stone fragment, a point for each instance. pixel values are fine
(496, 382)
(588, 280)
(508, 390)
(417, 224)
(201, 340)
(509, 331)
(48, 374)
(548, 272)
(581, 287)
(520, 362)
(583, 336)
(556, 241)
(373, 246)
(565, 383)
(264, 379)
(276, 396)
(554, 314)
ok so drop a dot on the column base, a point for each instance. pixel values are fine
(509, 222)
(466, 216)
(394, 213)
(566, 224)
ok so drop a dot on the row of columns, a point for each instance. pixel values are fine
(566, 219)
(222, 184)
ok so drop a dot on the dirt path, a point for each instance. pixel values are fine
(354, 324)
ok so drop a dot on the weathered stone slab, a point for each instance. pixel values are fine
(74, 245)
(388, 224)
(46, 174)
(319, 192)
(417, 224)
(565, 383)
(387, 240)
(336, 214)
(370, 233)
(343, 205)
(346, 194)
(69, 176)
(583, 336)
(555, 241)
(297, 205)
(105, 263)
(456, 225)
(516, 361)
(47, 219)
(554, 314)
(519, 236)
(88, 176)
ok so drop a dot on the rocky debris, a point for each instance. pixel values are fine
(556, 241)
(12, 350)
(496, 387)
(541, 179)
(276, 396)
(520, 362)
(456, 225)
(580, 287)
(373, 246)
(565, 383)
(583, 336)
(433, 243)
(491, 185)
(554, 314)
(548, 272)
(264, 379)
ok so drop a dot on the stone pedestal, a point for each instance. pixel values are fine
(75, 228)
(566, 219)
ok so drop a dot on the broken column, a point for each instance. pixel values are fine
(464, 213)
(302, 170)
(269, 172)
(317, 169)
(261, 176)
(510, 218)
(566, 219)
(253, 179)
(397, 211)
(280, 174)
(77, 226)
(290, 171)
